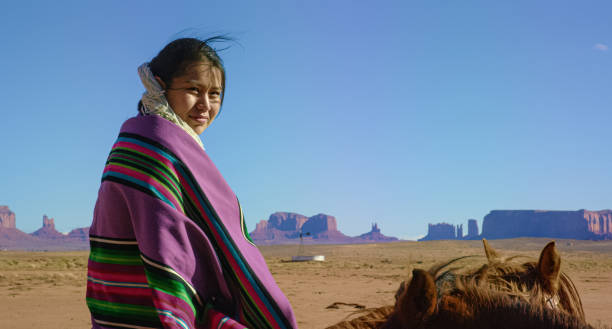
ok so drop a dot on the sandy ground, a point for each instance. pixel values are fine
(46, 289)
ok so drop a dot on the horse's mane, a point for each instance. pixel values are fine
(501, 288)
(474, 306)
(510, 277)
(371, 318)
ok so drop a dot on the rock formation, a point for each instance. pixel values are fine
(507, 224)
(7, 217)
(459, 232)
(440, 231)
(279, 226)
(472, 230)
(287, 221)
(599, 222)
(581, 224)
(320, 224)
(47, 231)
(80, 233)
(286, 227)
(45, 238)
(375, 235)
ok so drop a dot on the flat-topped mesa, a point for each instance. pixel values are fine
(440, 231)
(320, 223)
(279, 226)
(580, 224)
(284, 227)
(286, 221)
(599, 222)
(81, 233)
(7, 218)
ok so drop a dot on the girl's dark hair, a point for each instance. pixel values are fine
(173, 60)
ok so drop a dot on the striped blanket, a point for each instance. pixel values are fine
(169, 245)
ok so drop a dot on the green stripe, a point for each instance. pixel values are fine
(177, 198)
(152, 162)
(158, 178)
(149, 159)
(122, 310)
(152, 170)
(253, 317)
(170, 287)
(109, 256)
(245, 230)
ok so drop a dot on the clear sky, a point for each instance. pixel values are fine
(398, 112)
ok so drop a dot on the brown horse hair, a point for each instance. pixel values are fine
(502, 285)
(475, 306)
(519, 280)
(371, 318)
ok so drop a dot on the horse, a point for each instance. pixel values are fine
(501, 293)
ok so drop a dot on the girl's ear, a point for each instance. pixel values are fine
(161, 82)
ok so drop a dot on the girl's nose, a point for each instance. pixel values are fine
(204, 102)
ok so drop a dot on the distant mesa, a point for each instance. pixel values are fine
(440, 231)
(472, 230)
(47, 231)
(80, 233)
(7, 217)
(45, 238)
(280, 228)
(445, 231)
(507, 224)
(286, 227)
(580, 224)
(375, 235)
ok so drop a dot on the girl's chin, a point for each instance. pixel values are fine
(198, 128)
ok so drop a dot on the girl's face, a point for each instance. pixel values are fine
(195, 96)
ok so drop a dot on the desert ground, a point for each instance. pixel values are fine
(46, 289)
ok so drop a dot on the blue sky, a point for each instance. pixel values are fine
(398, 112)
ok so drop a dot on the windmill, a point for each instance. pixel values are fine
(300, 254)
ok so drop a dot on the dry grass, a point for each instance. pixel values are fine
(22, 271)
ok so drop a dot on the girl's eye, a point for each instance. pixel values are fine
(193, 90)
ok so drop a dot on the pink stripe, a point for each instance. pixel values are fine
(146, 151)
(241, 277)
(217, 321)
(177, 306)
(118, 277)
(170, 180)
(122, 295)
(147, 179)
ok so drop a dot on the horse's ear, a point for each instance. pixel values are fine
(419, 300)
(490, 252)
(549, 267)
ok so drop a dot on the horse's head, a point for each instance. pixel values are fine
(540, 282)
(502, 293)
(420, 305)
